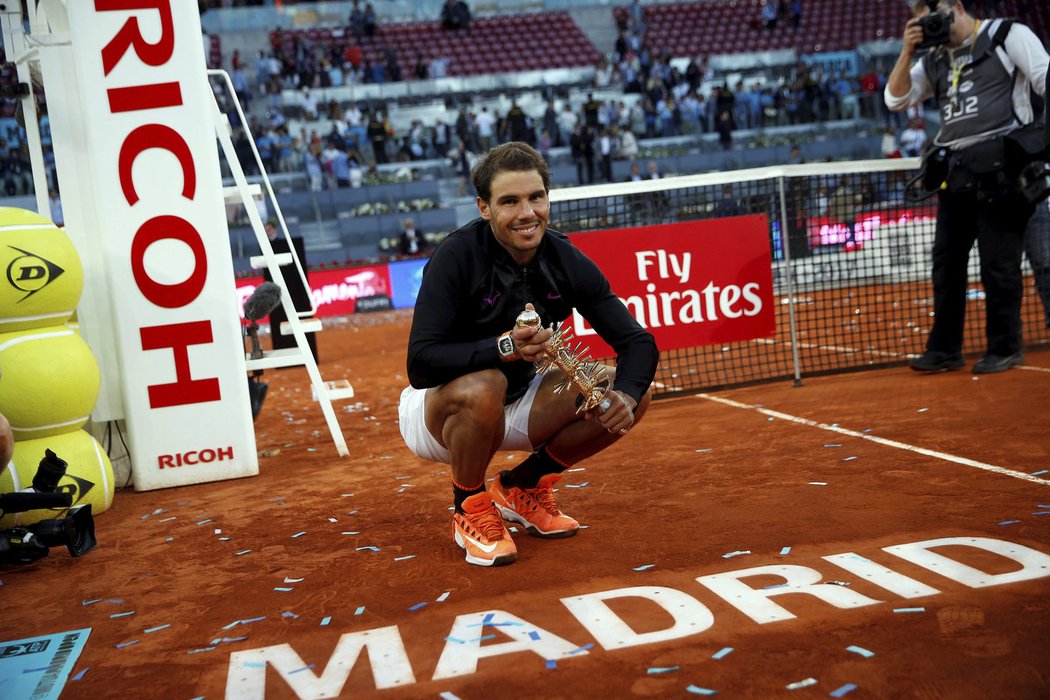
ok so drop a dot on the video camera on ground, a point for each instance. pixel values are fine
(75, 530)
(936, 26)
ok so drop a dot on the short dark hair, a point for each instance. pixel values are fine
(916, 5)
(515, 156)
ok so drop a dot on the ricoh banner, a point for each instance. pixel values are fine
(689, 284)
(148, 134)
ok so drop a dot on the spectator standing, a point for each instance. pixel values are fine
(312, 164)
(370, 22)
(441, 138)
(581, 145)
(357, 20)
(486, 123)
(769, 15)
(411, 241)
(605, 153)
(889, 147)
(377, 136)
(913, 139)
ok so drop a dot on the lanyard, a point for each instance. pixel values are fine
(957, 65)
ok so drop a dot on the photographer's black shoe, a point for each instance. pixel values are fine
(990, 364)
(933, 361)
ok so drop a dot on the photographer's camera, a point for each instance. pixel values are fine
(936, 26)
(75, 529)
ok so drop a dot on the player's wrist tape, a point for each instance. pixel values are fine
(505, 346)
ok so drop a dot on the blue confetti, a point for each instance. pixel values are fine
(860, 650)
(80, 674)
(722, 653)
(283, 589)
(360, 610)
(1041, 471)
(127, 644)
(534, 635)
(326, 620)
(785, 551)
(657, 670)
(1009, 522)
(298, 534)
(697, 690)
(580, 650)
(417, 606)
(35, 670)
(289, 614)
(488, 618)
(909, 610)
(158, 628)
(123, 614)
(551, 663)
(304, 668)
(643, 567)
(843, 690)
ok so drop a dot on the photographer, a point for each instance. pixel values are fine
(980, 73)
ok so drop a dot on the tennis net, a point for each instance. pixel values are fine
(849, 259)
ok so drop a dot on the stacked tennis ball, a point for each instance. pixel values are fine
(49, 379)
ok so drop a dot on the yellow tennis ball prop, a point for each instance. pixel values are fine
(41, 276)
(88, 478)
(49, 381)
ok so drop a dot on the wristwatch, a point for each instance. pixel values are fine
(505, 345)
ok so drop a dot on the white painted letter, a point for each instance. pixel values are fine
(904, 586)
(1034, 564)
(690, 616)
(755, 603)
(386, 656)
(463, 646)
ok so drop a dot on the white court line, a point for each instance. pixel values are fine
(1034, 369)
(834, 348)
(881, 441)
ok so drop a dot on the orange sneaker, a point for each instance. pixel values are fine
(480, 531)
(533, 508)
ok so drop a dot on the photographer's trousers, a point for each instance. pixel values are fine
(999, 232)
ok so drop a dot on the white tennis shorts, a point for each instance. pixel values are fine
(412, 419)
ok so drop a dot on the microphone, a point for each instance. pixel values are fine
(263, 300)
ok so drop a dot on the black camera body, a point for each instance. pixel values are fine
(936, 26)
(76, 530)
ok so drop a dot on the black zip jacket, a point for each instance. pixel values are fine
(472, 291)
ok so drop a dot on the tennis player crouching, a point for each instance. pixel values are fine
(474, 389)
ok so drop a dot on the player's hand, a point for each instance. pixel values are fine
(618, 418)
(529, 341)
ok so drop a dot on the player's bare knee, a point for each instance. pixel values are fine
(481, 393)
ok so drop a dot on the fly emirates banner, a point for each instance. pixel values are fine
(689, 284)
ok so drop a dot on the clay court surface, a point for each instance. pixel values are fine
(330, 539)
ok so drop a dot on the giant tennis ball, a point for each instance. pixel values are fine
(89, 474)
(40, 272)
(48, 381)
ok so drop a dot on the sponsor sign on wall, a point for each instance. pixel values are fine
(692, 283)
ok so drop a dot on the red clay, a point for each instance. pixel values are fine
(697, 480)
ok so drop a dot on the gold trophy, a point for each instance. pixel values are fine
(581, 372)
